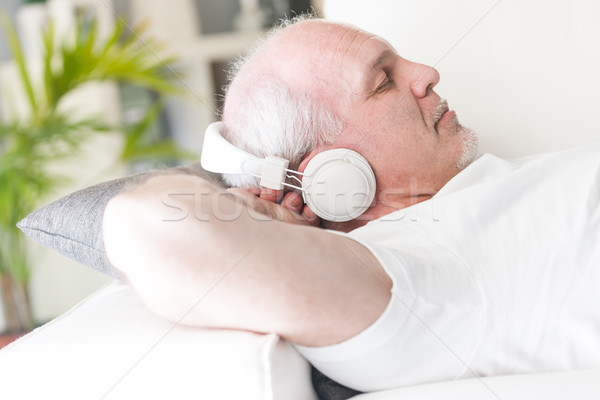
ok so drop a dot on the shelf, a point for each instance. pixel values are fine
(216, 47)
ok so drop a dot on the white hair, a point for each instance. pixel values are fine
(273, 119)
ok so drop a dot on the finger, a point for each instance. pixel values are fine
(293, 201)
(271, 195)
(310, 216)
(254, 190)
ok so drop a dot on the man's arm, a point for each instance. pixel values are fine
(197, 255)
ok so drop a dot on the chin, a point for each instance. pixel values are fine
(469, 148)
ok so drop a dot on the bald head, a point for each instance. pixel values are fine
(296, 56)
(281, 101)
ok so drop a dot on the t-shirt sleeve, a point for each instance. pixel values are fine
(428, 332)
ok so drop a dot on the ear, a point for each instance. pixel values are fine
(307, 159)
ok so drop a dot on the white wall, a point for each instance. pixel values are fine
(524, 74)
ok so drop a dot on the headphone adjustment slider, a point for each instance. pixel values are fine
(273, 172)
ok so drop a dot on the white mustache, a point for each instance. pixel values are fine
(439, 111)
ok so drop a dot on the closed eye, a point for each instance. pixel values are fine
(386, 84)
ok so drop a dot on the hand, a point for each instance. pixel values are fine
(266, 201)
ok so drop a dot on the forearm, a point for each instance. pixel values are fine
(190, 250)
(171, 231)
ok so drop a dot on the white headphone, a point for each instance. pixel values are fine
(338, 185)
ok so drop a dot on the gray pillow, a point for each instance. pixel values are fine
(72, 225)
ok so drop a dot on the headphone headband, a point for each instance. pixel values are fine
(218, 155)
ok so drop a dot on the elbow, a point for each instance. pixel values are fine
(162, 253)
(117, 232)
(133, 247)
(135, 234)
(137, 227)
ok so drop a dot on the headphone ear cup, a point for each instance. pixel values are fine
(338, 185)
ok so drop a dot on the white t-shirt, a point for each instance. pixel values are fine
(498, 273)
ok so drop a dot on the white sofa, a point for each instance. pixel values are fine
(111, 347)
(523, 74)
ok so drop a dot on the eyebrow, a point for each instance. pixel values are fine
(381, 59)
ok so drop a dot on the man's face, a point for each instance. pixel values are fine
(391, 114)
(390, 111)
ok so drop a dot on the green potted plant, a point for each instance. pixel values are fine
(28, 145)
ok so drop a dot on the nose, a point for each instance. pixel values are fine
(423, 79)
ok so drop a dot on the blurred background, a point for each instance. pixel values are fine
(186, 44)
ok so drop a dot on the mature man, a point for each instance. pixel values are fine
(441, 284)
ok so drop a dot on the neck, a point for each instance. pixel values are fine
(380, 208)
